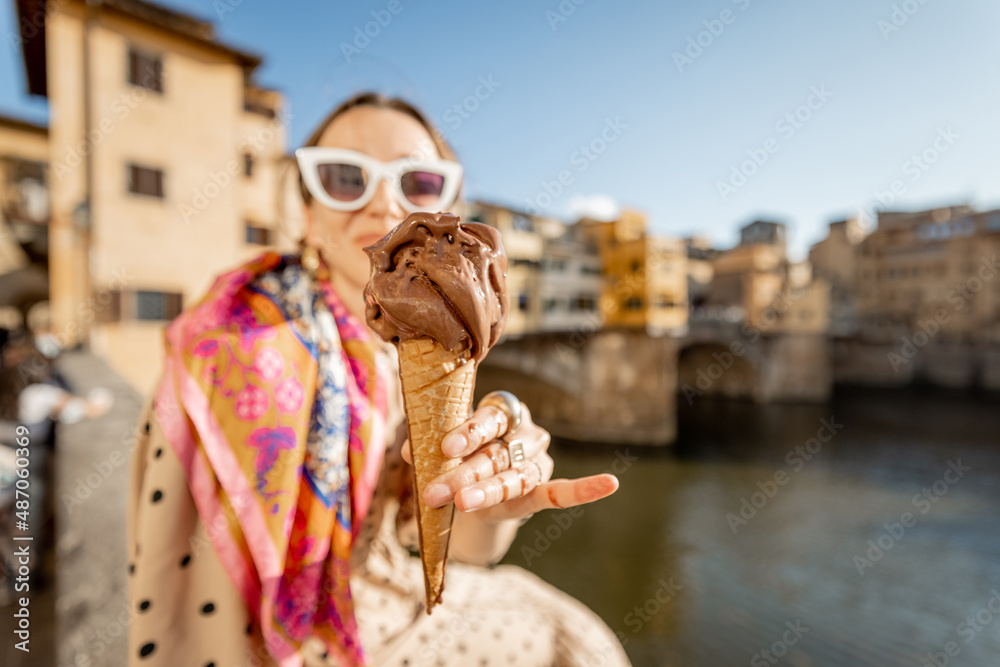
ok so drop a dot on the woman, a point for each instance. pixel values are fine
(267, 528)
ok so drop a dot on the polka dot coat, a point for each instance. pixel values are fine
(189, 614)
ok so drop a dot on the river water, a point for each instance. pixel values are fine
(869, 535)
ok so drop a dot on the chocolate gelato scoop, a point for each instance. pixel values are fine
(433, 276)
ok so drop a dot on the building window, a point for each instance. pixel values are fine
(993, 222)
(144, 305)
(963, 227)
(666, 302)
(248, 164)
(634, 303)
(522, 223)
(258, 235)
(108, 306)
(157, 305)
(522, 301)
(145, 70)
(550, 305)
(145, 181)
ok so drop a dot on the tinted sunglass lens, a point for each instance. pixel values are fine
(343, 182)
(422, 187)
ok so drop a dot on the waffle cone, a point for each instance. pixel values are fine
(437, 396)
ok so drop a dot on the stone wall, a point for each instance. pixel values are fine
(91, 486)
(951, 364)
(795, 368)
(610, 386)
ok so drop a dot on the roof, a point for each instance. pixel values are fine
(23, 125)
(31, 15)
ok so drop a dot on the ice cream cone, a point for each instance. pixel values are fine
(437, 395)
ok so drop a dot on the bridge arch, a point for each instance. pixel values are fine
(713, 369)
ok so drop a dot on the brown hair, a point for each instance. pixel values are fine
(379, 101)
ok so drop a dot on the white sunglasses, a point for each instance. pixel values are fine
(346, 180)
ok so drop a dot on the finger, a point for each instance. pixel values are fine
(404, 451)
(487, 462)
(486, 424)
(508, 485)
(560, 494)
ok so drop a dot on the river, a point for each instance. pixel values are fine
(865, 532)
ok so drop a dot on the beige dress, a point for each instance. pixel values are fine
(189, 614)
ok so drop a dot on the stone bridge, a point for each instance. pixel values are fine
(623, 385)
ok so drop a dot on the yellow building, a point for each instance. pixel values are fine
(163, 156)
(748, 278)
(24, 218)
(524, 238)
(932, 270)
(700, 272)
(835, 260)
(645, 277)
(803, 306)
(756, 282)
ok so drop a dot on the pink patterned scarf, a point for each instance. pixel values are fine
(274, 399)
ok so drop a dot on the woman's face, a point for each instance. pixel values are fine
(386, 135)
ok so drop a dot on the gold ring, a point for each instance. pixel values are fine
(508, 404)
(516, 450)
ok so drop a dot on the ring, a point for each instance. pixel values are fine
(516, 450)
(508, 404)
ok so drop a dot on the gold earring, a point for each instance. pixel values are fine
(310, 259)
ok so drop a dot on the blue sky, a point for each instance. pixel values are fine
(561, 74)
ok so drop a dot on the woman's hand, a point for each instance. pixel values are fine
(487, 484)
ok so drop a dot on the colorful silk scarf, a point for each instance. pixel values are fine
(274, 398)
